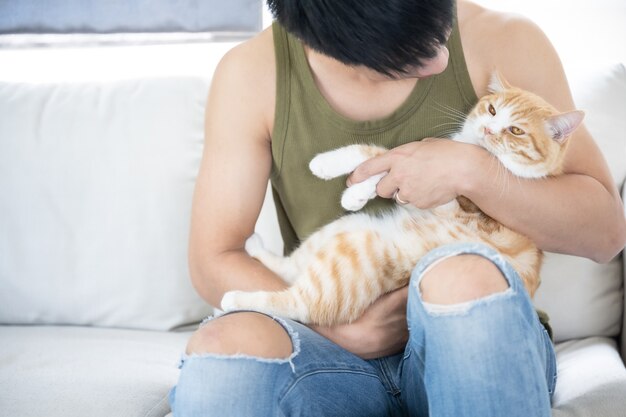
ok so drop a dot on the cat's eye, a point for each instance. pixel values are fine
(516, 130)
(492, 110)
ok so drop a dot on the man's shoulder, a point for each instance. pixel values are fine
(480, 20)
(494, 39)
(245, 82)
(253, 56)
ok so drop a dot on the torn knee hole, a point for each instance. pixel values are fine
(461, 279)
(250, 334)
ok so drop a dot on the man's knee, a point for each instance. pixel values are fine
(245, 333)
(461, 278)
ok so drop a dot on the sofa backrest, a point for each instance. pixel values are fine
(582, 297)
(96, 181)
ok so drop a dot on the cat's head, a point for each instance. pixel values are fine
(522, 130)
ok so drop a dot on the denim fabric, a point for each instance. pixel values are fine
(488, 357)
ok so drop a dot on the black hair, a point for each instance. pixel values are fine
(388, 36)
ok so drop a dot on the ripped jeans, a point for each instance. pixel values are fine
(490, 358)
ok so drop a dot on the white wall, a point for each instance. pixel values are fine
(584, 32)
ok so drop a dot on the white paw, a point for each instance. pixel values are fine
(324, 166)
(338, 162)
(230, 301)
(352, 201)
(355, 197)
(254, 245)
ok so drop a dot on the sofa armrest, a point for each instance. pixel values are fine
(623, 255)
(623, 343)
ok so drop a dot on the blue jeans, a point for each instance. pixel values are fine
(488, 357)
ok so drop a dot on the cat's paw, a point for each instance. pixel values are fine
(326, 165)
(357, 196)
(353, 201)
(231, 301)
(254, 245)
(338, 162)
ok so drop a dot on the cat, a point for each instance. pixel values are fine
(342, 268)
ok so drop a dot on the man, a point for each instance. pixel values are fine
(332, 72)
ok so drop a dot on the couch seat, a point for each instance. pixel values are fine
(86, 371)
(113, 372)
(591, 379)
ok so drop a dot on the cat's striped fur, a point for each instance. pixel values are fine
(342, 268)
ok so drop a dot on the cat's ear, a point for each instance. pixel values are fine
(563, 125)
(497, 83)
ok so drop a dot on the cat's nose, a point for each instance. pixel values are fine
(488, 131)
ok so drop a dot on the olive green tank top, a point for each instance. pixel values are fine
(305, 124)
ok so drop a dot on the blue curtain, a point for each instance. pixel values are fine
(129, 16)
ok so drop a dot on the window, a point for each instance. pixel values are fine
(28, 22)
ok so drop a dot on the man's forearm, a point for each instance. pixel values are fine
(232, 270)
(572, 214)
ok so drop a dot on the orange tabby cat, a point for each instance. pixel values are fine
(346, 265)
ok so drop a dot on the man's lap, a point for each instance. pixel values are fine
(321, 378)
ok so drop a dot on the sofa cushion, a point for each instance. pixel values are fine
(601, 93)
(82, 371)
(584, 298)
(591, 379)
(96, 183)
(129, 373)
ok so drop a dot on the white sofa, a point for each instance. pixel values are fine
(96, 305)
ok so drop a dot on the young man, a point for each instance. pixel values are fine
(336, 72)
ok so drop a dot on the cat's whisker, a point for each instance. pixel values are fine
(459, 119)
(499, 182)
(502, 181)
(500, 171)
(506, 146)
(456, 125)
(449, 110)
(506, 182)
(519, 182)
(447, 132)
(450, 121)
(507, 178)
(493, 162)
(446, 113)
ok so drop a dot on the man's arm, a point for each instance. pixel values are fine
(579, 213)
(233, 175)
(229, 194)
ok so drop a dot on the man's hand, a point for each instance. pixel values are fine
(381, 331)
(427, 174)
